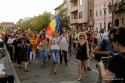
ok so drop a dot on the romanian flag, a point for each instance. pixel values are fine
(53, 25)
(3, 33)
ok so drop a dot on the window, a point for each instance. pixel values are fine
(68, 17)
(122, 20)
(80, 14)
(69, 7)
(80, 2)
(97, 11)
(90, 0)
(96, 25)
(104, 9)
(90, 13)
(100, 10)
(100, 25)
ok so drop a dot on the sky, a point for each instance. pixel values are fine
(13, 10)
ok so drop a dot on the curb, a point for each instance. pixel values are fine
(13, 69)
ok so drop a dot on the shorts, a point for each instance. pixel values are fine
(23, 56)
(74, 44)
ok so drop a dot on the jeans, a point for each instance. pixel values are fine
(55, 54)
(43, 56)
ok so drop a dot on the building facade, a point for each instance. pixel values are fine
(61, 6)
(8, 25)
(91, 13)
(78, 12)
(102, 16)
(118, 10)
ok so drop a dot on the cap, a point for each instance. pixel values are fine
(102, 28)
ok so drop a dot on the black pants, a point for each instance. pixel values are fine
(11, 52)
(17, 57)
(65, 56)
(9, 79)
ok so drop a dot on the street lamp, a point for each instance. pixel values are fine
(104, 17)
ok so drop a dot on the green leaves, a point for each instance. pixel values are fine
(25, 25)
(64, 21)
(37, 23)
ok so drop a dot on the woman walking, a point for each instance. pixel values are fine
(82, 54)
(33, 40)
(16, 51)
(54, 47)
(43, 46)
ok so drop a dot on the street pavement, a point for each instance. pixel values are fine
(66, 74)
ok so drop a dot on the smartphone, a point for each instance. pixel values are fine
(105, 59)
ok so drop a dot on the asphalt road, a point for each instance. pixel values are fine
(66, 74)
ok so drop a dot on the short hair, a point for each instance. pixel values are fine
(23, 34)
(119, 36)
(112, 31)
(43, 35)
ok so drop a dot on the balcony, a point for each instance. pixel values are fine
(74, 9)
(117, 8)
(73, 0)
(74, 21)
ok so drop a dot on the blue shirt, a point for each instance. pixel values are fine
(109, 45)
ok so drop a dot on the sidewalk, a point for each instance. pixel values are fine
(9, 66)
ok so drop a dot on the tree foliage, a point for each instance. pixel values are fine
(64, 20)
(42, 21)
(25, 25)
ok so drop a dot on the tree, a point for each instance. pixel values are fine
(0, 26)
(64, 20)
(42, 21)
(25, 25)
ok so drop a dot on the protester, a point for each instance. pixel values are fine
(64, 39)
(16, 50)
(54, 47)
(115, 72)
(43, 46)
(33, 40)
(5, 78)
(103, 49)
(10, 46)
(22, 44)
(82, 54)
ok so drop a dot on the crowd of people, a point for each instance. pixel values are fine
(24, 46)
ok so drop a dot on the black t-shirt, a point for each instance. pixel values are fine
(117, 66)
(15, 45)
(23, 47)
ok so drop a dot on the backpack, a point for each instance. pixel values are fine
(61, 38)
(97, 56)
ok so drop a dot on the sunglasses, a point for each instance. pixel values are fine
(81, 35)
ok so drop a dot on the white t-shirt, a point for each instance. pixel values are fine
(63, 39)
(46, 36)
(100, 36)
(54, 43)
(106, 35)
(10, 40)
